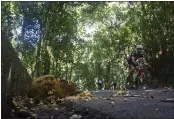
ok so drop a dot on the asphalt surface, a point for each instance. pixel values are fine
(136, 104)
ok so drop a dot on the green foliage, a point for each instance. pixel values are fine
(56, 38)
(121, 92)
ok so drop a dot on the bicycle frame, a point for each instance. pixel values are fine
(140, 74)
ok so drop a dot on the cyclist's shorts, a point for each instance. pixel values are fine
(130, 62)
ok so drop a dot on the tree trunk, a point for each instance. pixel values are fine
(37, 65)
(66, 73)
(46, 59)
(53, 67)
(70, 71)
(56, 66)
(107, 80)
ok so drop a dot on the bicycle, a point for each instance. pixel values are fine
(140, 76)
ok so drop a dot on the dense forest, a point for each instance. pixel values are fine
(86, 41)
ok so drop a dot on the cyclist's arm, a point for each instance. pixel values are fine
(133, 60)
(144, 60)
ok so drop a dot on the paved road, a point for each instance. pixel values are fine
(139, 103)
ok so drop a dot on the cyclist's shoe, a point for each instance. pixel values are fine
(144, 86)
(143, 82)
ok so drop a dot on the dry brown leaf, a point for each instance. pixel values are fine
(75, 116)
(32, 109)
(14, 103)
(112, 102)
(34, 115)
(111, 98)
(104, 98)
(125, 99)
(86, 100)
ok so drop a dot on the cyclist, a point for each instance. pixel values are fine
(136, 54)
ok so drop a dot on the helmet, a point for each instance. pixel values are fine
(139, 49)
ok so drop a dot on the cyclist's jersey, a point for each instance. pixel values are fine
(136, 56)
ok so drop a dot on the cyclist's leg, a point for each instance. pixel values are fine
(131, 67)
(131, 70)
(142, 74)
(130, 80)
(142, 77)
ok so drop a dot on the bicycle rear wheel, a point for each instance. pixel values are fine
(129, 82)
(137, 80)
(148, 78)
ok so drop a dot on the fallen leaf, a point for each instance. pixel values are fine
(121, 92)
(34, 115)
(114, 95)
(125, 99)
(111, 98)
(168, 100)
(112, 102)
(86, 100)
(104, 98)
(25, 108)
(32, 109)
(14, 103)
(75, 116)
(128, 94)
(50, 92)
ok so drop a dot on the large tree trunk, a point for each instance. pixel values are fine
(53, 67)
(107, 80)
(70, 76)
(23, 28)
(46, 62)
(56, 65)
(37, 65)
